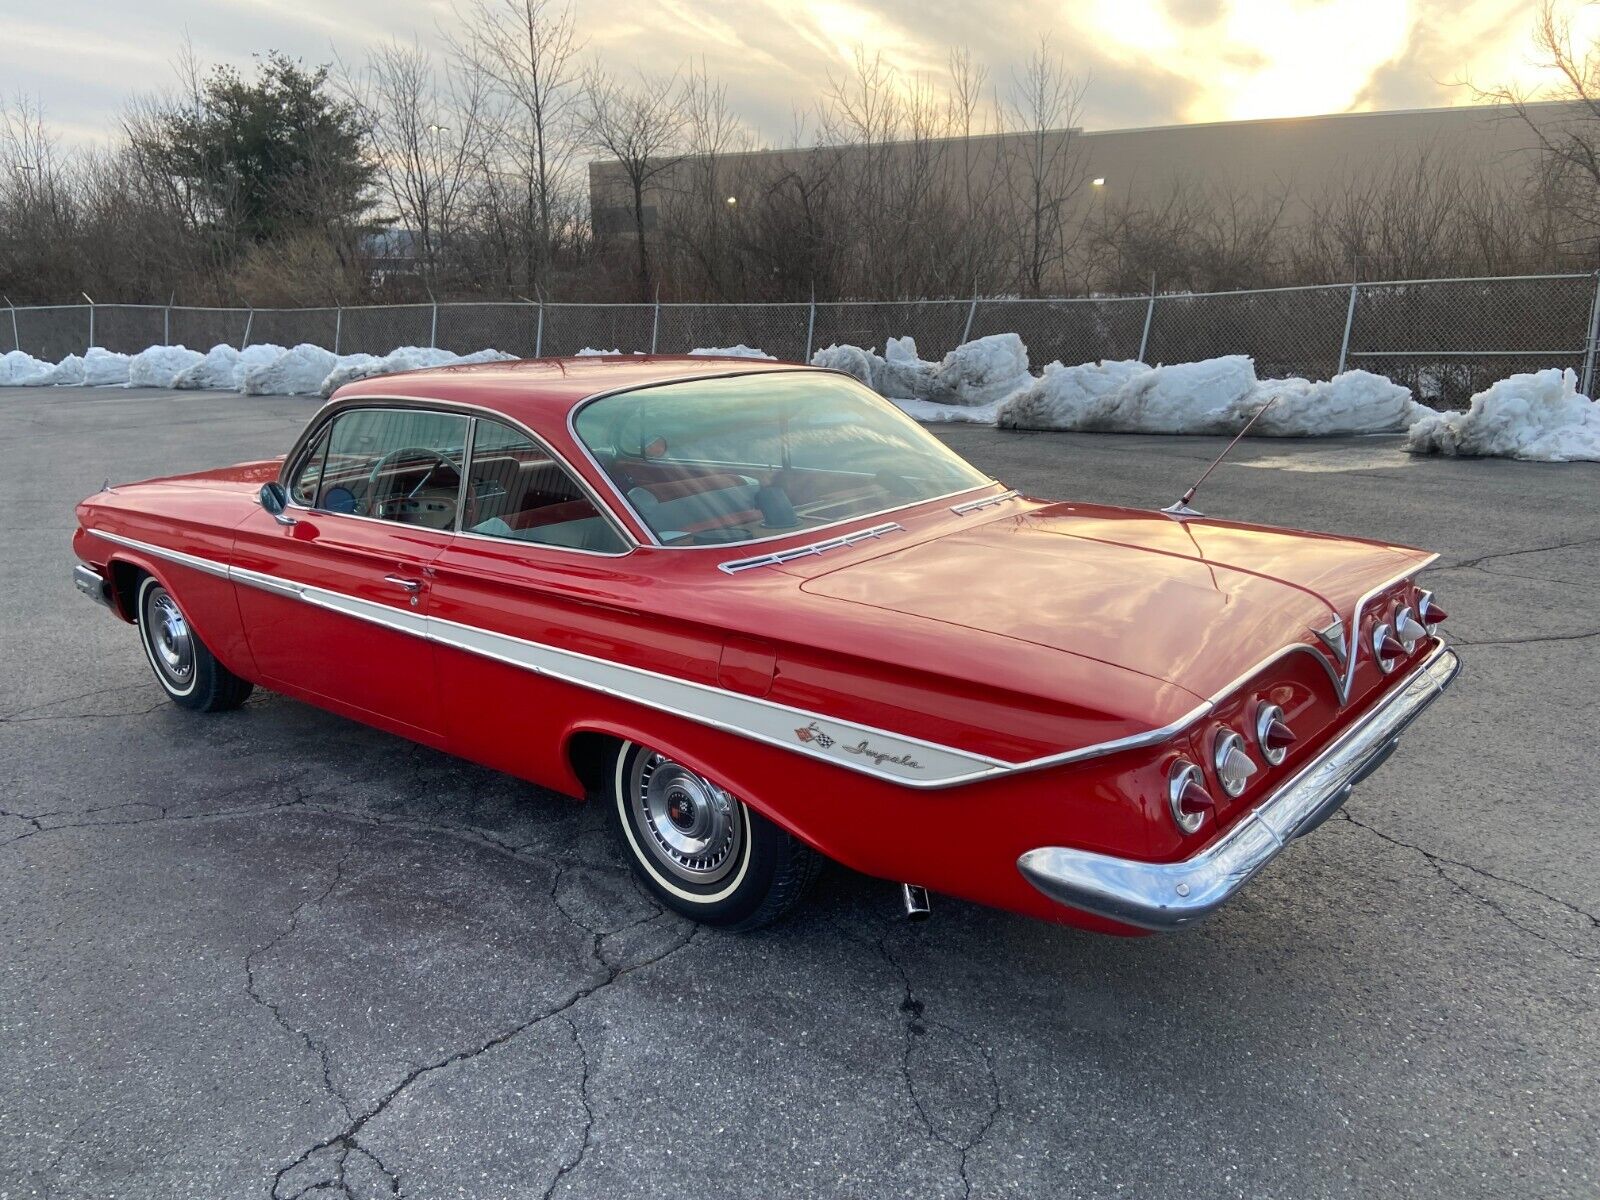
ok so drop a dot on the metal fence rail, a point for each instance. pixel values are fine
(1444, 338)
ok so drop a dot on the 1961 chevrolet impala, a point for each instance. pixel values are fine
(767, 619)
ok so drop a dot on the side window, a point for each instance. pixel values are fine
(393, 465)
(516, 490)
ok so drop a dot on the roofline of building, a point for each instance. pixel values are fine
(1079, 131)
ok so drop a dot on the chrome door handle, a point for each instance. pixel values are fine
(412, 586)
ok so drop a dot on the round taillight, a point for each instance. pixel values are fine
(1232, 761)
(1386, 648)
(1273, 734)
(1432, 615)
(1408, 629)
(1187, 798)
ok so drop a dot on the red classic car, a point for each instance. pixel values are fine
(768, 620)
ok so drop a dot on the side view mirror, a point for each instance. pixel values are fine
(274, 499)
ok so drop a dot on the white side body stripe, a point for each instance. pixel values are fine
(894, 757)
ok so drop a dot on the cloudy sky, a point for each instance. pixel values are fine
(1150, 61)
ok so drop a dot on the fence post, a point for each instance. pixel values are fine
(433, 330)
(538, 333)
(16, 339)
(90, 299)
(1349, 320)
(248, 320)
(1149, 314)
(1594, 332)
(166, 320)
(972, 311)
(338, 325)
(811, 324)
(655, 321)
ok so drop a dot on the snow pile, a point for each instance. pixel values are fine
(104, 368)
(160, 366)
(1352, 402)
(977, 375)
(591, 352)
(1214, 396)
(20, 369)
(66, 373)
(224, 368)
(296, 372)
(739, 351)
(406, 358)
(1539, 416)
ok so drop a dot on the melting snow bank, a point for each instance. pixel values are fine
(739, 351)
(972, 376)
(1539, 417)
(407, 358)
(987, 382)
(1215, 396)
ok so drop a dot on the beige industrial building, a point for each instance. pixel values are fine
(1296, 157)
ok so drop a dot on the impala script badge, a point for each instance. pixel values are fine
(813, 733)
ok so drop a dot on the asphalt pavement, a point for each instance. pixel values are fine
(275, 953)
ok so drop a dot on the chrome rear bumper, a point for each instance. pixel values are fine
(1167, 896)
(92, 584)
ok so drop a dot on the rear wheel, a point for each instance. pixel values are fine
(699, 849)
(184, 666)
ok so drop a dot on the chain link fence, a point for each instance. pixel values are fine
(1444, 338)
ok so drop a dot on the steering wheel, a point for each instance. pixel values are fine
(400, 453)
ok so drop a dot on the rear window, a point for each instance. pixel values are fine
(754, 456)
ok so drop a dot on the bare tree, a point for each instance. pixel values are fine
(427, 137)
(640, 125)
(1044, 168)
(528, 50)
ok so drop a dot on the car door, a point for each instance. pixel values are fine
(537, 564)
(335, 600)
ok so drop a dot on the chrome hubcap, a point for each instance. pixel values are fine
(692, 827)
(169, 637)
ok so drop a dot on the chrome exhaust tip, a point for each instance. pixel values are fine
(915, 897)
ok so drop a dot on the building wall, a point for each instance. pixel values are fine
(1299, 156)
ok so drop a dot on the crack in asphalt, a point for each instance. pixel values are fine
(917, 1025)
(1439, 862)
(320, 1049)
(344, 1142)
(567, 1168)
(1499, 554)
(1527, 641)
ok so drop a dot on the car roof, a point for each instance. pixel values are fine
(542, 391)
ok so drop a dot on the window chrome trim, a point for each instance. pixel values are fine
(583, 447)
(962, 510)
(335, 408)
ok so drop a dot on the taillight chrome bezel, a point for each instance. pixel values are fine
(1425, 608)
(1266, 716)
(1222, 747)
(1183, 775)
(1381, 633)
(1408, 629)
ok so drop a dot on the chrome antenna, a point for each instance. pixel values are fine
(1181, 508)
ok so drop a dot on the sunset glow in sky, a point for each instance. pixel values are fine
(1151, 62)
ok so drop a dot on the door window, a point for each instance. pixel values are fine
(398, 465)
(516, 490)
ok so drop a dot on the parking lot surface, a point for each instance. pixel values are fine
(275, 953)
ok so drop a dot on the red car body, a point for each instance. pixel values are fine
(933, 694)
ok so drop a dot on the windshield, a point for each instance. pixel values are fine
(754, 456)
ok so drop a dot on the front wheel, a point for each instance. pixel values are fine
(700, 850)
(186, 669)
